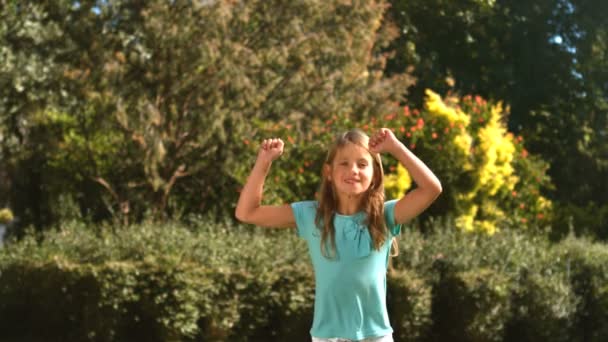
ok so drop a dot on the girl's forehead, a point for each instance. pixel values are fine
(352, 151)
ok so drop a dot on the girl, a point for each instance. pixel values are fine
(349, 230)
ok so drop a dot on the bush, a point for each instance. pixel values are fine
(150, 282)
(216, 282)
(587, 271)
(469, 306)
(409, 305)
(543, 308)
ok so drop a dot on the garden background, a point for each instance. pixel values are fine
(128, 127)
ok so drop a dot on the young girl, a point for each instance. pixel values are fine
(349, 230)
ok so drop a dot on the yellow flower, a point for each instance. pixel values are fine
(437, 107)
(487, 227)
(496, 154)
(396, 184)
(465, 221)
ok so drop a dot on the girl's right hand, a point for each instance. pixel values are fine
(271, 149)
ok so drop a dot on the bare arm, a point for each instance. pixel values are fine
(249, 208)
(428, 185)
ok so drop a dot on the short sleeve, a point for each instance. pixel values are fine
(389, 217)
(304, 214)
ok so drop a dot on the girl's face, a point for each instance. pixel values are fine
(352, 170)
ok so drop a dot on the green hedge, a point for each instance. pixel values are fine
(216, 282)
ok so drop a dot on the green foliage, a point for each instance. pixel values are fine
(136, 109)
(471, 305)
(588, 220)
(543, 307)
(163, 283)
(544, 59)
(409, 305)
(217, 282)
(588, 275)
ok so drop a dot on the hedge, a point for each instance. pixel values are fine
(217, 282)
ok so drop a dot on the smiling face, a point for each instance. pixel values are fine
(351, 171)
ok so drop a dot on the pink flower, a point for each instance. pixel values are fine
(420, 123)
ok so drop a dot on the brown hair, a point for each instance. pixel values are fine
(373, 201)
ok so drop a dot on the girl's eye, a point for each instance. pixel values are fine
(344, 163)
(362, 165)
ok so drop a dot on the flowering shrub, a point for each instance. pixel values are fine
(489, 179)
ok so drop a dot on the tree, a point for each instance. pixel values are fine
(160, 93)
(542, 58)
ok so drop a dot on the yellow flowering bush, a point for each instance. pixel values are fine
(490, 181)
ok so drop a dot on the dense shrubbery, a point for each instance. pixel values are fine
(218, 282)
(490, 181)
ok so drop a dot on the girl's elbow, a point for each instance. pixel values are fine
(439, 188)
(436, 188)
(240, 215)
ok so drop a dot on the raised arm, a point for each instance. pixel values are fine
(249, 208)
(428, 185)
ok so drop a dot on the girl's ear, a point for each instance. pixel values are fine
(327, 171)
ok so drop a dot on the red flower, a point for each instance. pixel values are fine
(420, 123)
(389, 117)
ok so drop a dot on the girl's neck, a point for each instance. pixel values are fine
(348, 204)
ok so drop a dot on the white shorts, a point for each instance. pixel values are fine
(386, 338)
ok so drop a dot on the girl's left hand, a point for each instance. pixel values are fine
(383, 141)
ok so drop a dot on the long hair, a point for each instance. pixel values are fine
(372, 203)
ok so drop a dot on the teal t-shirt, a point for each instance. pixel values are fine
(350, 290)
